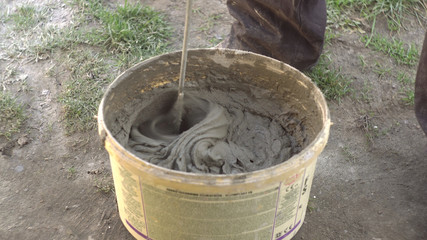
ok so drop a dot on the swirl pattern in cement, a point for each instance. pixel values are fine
(211, 138)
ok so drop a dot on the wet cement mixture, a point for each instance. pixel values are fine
(219, 134)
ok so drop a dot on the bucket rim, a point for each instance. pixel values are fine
(312, 150)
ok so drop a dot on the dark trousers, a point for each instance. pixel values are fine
(421, 89)
(291, 31)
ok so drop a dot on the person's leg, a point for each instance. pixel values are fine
(421, 88)
(289, 30)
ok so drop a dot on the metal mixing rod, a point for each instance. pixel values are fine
(184, 51)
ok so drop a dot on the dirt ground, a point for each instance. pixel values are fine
(56, 186)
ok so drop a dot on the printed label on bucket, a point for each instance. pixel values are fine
(292, 204)
(130, 200)
(159, 212)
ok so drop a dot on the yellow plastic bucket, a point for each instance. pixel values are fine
(157, 203)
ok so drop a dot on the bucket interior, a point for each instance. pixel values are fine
(222, 69)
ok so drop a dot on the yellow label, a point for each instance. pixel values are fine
(130, 200)
(159, 212)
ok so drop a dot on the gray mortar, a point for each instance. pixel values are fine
(221, 133)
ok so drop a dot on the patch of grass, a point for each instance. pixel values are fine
(215, 40)
(209, 22)
(403, 78)
(341, 17)
(330, 35)
(365, 93)
(407, 88)
(398, 50)
(206, 27)
(348, 154)
(71, 172)
(341, 11)
(103, 41)
(311, 205)
(84, 90)
(362, 62)
(51, 39)
(381, 70)
(409, 96)
(26, 17)
(104, 184)
(133, 31)
(12, 115)
(10, 71)
(40, 43)
(393, 10)
(329, 79)
(88, 7)
(365, 122)
(3, 14)
(129, 33)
